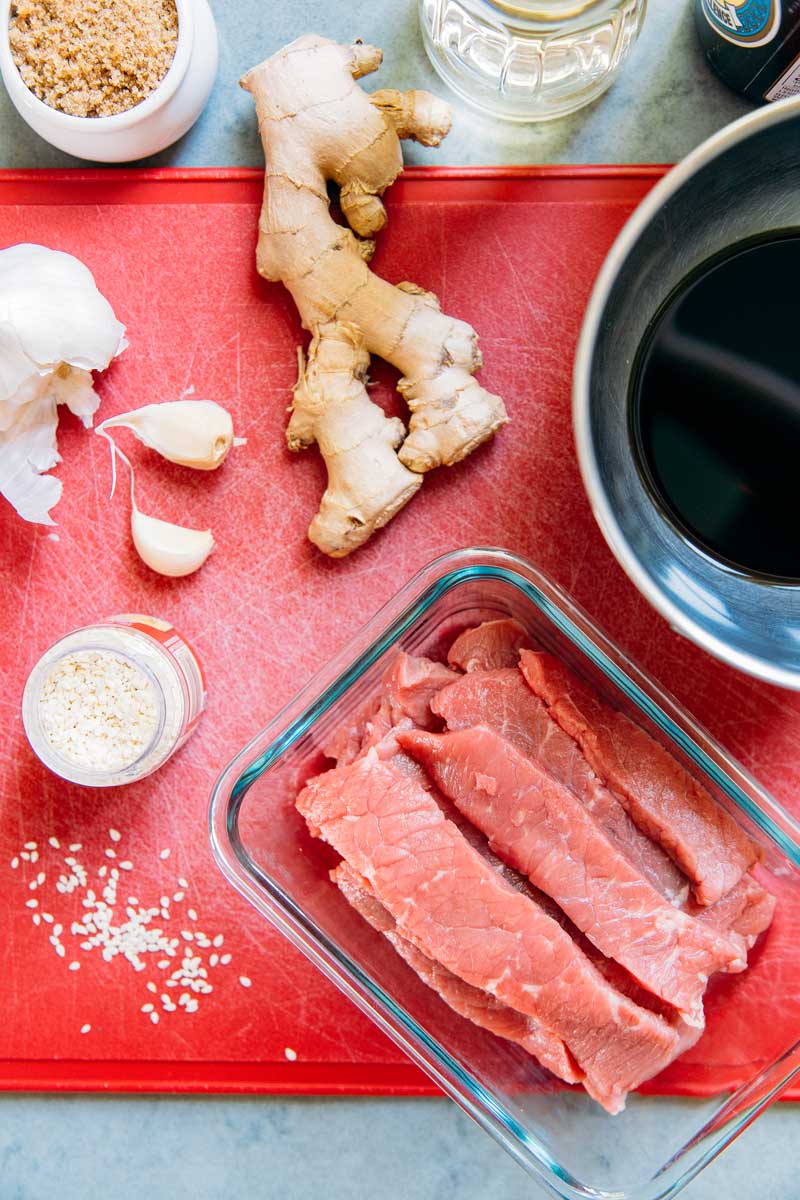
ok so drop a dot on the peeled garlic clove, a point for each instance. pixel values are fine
(170, 549)
(192, 433)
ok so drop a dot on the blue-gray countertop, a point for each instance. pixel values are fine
(82, 1147)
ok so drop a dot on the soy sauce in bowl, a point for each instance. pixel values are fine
(715, 407)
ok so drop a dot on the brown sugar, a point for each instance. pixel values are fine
(93, 58)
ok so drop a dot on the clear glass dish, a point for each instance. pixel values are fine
(261, 843)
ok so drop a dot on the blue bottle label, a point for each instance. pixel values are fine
(744, 22)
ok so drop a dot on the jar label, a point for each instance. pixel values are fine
(744, 22)
(788, 84)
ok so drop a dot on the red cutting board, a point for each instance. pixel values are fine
(514, 252)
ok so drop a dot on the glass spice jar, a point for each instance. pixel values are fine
(529, 60)
(109, 703)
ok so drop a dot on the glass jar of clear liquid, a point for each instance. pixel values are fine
(529, 60)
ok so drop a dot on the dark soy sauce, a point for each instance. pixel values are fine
(715, 407)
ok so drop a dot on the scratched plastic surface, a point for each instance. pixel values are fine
(514, 253)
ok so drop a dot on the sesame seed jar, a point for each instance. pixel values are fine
(109, 703)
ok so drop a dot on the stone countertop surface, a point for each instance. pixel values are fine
(665, 102)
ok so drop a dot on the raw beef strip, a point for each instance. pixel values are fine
(663, 799)
(540, 828)
(503, 701)
(459, 912)
(409, 686)
(487, 646)
(745, 912)
(468, 1001)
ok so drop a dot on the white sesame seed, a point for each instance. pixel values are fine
(154, 1017)
(178, 897)
(60, 951)
(85, 1028)
(162, 964)
(184, 883)
(14, 863)
(55, 843)
(25, 856)
(47, 917)
(151, 987)
(114, 834)
(32, 886)
(187, 935)
(126, 864)
(40, 878)
(147, 1008)
(165, 901)
(212, 962)
(245, 982)
(103, 871)
(37, 920)
(290, 1054)
(30, 845)
(192, 914)
(110, 853)
(58, 929)
(218, 940)
(34, 903)
(74, 966)
(225, 959)
(75, 847)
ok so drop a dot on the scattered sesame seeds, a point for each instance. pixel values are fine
(245, 982)
(85, 1028)
(290, 1054)
(139, 934)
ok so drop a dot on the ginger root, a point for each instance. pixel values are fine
(317, 125)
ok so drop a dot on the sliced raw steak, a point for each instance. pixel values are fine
(540, 828)
(487, 646)
(468, 1001)
(503, 701)
(664, 800)
(458, 911)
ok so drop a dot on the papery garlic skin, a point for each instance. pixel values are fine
(171, 550)
(192, 433)
(55, 328)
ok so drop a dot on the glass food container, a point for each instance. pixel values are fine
(529, 60)
(262, 845)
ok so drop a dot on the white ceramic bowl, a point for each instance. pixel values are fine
(166, 114)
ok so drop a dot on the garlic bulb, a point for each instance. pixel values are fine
(55, 329)
(170, 549)
(192, 433)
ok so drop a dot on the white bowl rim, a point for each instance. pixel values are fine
(706, 152)
(117, 121)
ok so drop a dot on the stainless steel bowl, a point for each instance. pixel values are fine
(743, 181)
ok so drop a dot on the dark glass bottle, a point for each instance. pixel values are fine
(753, 45)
